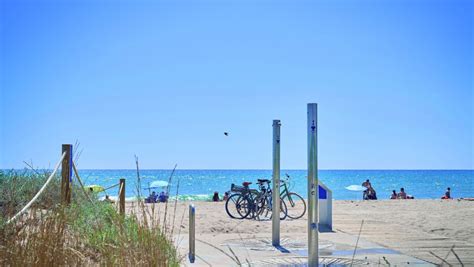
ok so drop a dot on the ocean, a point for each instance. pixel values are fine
(200, 184)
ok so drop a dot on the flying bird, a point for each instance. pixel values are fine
(226, 133)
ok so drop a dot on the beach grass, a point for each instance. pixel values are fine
(17, 188)
(83, 233)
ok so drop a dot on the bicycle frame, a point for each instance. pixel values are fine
(265, 194)
(286, 193)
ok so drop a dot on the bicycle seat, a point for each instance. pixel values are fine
(260, 181)
(246, 183)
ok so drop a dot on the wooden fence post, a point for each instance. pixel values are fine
(122, 197)
(66, 174)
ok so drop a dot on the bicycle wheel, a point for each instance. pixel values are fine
(236, 206)
(264, 209)
(283, 210)
(296, 205)
(254, 205)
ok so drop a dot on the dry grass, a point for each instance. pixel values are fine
(18, 188)
(84, 233)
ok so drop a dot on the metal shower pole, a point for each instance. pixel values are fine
(313, 192)
(276, 184)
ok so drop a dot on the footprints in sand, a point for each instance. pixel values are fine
(439, 230)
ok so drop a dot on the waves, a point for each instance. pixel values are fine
(199, 185)
(197, 197)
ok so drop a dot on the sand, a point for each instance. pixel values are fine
(423, 229)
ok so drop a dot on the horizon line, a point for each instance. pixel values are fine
(250, 169)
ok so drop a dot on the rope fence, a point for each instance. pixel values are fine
(27, 206)
(117, 203)
(76, 174)
(112, 186)
(80, 182)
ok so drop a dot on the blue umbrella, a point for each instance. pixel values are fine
(156, 184)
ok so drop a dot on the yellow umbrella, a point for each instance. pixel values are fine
(94, 188)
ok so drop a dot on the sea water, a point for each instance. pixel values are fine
(201, 184)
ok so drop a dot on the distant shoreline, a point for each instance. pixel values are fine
(422, 184)
(282, 170)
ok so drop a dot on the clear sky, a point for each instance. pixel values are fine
(393, 81)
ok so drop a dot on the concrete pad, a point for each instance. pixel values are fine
(336, 248)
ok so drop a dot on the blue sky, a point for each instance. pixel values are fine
(165, 79)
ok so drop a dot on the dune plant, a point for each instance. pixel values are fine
(83, 233)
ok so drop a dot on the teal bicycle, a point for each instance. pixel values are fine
(295, 204)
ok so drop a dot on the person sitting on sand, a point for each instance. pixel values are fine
(215, 197)
(447, 194)
(151, 198)
(163, 197)
(402, 194)
(226, 196)
(108, 200)
(394, 195)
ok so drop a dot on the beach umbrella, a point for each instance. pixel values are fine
(158, 183)
(355, 187)
(95, 188)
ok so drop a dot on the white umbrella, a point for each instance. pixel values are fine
(355, 187)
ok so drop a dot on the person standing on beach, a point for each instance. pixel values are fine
(369, 193)
(367, 184)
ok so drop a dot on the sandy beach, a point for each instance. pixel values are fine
(422, 229)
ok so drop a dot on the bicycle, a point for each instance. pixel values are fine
(263, 202)
(252, 204)
(240, 204)
(296, 206)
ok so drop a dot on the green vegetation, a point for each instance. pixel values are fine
(18, 188)
(83, 233)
